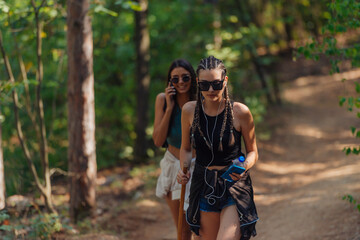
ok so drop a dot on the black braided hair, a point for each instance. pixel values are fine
(207, 64)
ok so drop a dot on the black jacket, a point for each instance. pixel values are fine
(241, 191)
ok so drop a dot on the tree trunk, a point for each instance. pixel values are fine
(246, 16)
(261, 74)
(142, 40)
(217, 27)
(2, 178)
(81, 111)
(288, 27)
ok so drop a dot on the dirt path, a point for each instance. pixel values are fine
(302, 173)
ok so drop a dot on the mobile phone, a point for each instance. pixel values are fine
(171, 84)
(232, 169)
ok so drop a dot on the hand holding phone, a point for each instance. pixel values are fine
(232, 169)
(172, 85)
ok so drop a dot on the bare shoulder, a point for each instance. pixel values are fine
(161, 97)
(189, 107)
(160, 100)
(187, 113)
(241, 111)
(242, 117)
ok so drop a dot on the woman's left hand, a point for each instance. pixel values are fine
(236, 176)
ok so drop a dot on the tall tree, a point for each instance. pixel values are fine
(142, 41)
(81, 111)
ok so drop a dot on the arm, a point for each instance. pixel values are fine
(162, 119)
(244, 121)
(187, 116)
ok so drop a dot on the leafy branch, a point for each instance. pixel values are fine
(345, 18)
(44, 188)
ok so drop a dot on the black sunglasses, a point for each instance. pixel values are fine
(185, 78)
(216, 85)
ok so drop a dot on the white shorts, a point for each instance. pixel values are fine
(167, 182)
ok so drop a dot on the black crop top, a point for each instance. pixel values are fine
(203, 152)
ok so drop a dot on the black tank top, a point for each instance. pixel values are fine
(203, 152)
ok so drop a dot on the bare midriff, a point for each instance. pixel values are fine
(176, 151)
(215, 167)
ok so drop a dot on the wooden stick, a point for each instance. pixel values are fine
(181, 208)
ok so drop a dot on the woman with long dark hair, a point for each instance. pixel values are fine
(180, 88)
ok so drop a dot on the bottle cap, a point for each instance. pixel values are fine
(241, 159)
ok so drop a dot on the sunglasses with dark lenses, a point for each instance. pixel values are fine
(216, 85)
(185, 78)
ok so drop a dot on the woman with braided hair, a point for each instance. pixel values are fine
(180, 88)
(213, 126)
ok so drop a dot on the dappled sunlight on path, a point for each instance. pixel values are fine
(302, 173)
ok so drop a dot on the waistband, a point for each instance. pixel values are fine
(218, 171)
(169, 156)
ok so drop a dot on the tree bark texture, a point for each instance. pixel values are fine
(81, 111)
(142, 40)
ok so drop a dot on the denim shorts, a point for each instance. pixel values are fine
(205, 206)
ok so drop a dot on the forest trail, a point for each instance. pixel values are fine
(302, 173)
(299, 181)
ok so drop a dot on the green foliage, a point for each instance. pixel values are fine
(5, 92)
(44, 225)
(102, 10)
(352, 200)
(344, 18)
(8, 230)
(3, 216)
(129, 5)
(257, 108)
(178, 29)
(85, 225)
(41, 226)
(17, 24)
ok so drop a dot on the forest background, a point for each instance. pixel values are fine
(251, 37)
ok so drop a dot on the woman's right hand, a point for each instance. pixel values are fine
(170, 93)
(183, 178)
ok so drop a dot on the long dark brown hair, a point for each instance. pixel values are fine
(186, 65)
(210, 63)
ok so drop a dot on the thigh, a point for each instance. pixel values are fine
(209, 225)
(229, 224)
